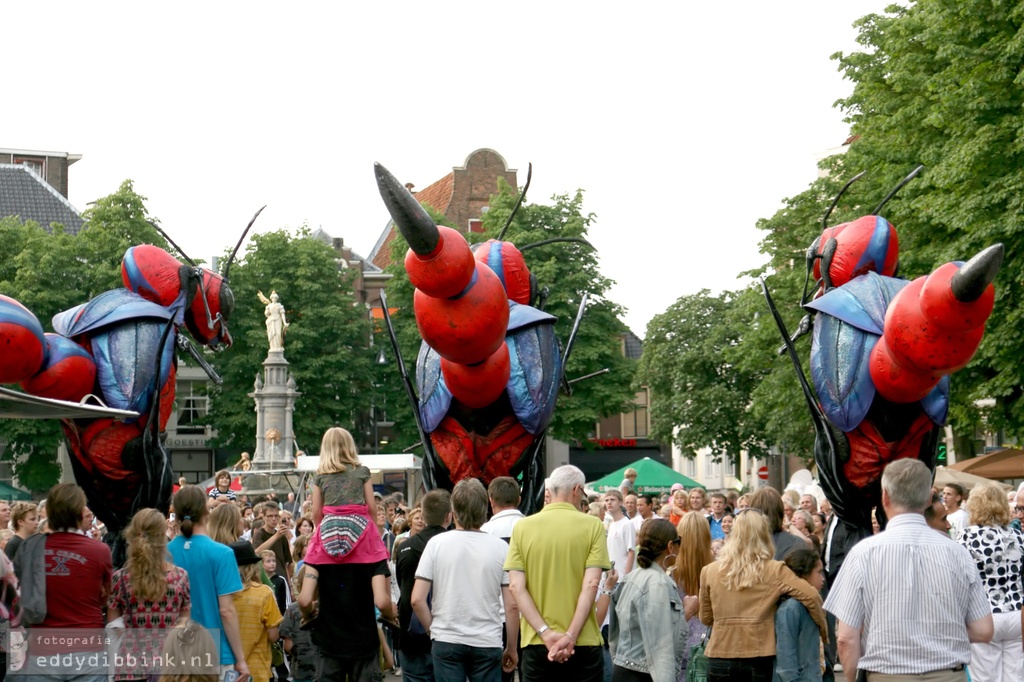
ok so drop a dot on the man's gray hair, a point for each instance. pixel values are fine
(564, 479)
(909, 484)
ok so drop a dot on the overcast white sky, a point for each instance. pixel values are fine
(684, 122)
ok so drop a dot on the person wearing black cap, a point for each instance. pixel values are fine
(258, 615)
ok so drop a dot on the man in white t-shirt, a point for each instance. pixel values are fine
(621, 534)
(644, 511)
(503, 493)
(464, 619)
(953, 495)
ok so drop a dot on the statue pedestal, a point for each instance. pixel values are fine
(275, 396)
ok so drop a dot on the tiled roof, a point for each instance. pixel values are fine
(26, 195)
(438, 195)
(634, 347)
(321, 235)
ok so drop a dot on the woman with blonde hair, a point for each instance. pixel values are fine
(694, 554)
(998, 551)
(226, 524)
(343, 506)
(149, 594)
(698, 499)
(738, 597)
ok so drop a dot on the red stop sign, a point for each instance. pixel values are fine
(762, 473)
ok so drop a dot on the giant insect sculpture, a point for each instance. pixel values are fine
(882, 351)
(489, 368)
(119, 347)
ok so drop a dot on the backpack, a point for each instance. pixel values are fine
(31, 570)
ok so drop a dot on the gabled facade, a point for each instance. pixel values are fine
(461, 196)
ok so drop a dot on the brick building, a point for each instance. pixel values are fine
(461, 196)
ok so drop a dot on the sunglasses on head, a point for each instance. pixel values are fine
(749, 509)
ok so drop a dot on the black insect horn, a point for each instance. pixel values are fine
(171, 242)
(411, 219)
(835, 202)
(897, 188)
(974, 276)
(227, 266)
(519, 201)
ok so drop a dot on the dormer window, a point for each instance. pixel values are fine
(36, 163)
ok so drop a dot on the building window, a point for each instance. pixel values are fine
(730, 466)
(7, 472)
(714, 467)
(37, 164)
(193, 408)
(636, 424)
(691, 467)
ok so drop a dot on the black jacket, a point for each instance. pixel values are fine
(408, 560)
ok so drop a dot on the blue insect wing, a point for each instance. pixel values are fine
(936, 403)
(109, 308)
(535, 374)
(861, 302)
(840, 353)
(126, 363)
(435, 398)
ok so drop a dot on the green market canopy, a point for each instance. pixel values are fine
(652, 477)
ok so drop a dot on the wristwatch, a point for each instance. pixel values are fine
(543, 630)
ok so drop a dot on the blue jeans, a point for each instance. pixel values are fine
(461, 662)
(417, 667)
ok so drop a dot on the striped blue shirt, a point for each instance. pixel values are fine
(912, 590)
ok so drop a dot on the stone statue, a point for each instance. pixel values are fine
(276, 324)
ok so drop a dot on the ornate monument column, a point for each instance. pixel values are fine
(275, 393)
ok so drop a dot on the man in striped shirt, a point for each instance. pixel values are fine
(909, 601)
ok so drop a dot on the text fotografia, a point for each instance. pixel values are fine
(135, 653)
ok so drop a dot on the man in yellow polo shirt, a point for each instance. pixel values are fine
(555, 562)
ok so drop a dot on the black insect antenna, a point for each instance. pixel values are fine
(812, 251)
(227, 266)
(824, 218)
(897, 188)
(519, 201)
(171, 242)
(554, 240)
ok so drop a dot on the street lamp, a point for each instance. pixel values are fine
(382, 360)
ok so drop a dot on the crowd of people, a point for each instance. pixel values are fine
(620, 586)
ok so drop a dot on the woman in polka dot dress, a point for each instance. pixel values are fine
(998, 550)
(149, 594)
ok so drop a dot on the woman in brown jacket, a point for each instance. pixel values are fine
(738, 597)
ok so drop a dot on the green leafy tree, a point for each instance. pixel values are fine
(700, 393)
(327, 341)
(51, 272)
